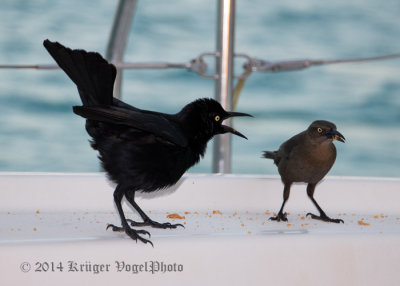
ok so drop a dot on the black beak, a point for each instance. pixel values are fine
(234, 114)
(230, 129)
(336, 135)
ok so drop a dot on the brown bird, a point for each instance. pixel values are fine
(307, 157)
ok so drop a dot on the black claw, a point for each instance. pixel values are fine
(154, 224)
(115, 228)
(132, 233)
(325, 218)
(279, 217)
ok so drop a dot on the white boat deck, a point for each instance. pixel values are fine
(51, 220)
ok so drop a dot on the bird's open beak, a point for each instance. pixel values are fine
(230, 129)
(336, 135)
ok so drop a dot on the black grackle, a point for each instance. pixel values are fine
(140, 150)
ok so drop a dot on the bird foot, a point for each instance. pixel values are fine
(279, 217)
(132, 233)
(324, 217)
(154, 224)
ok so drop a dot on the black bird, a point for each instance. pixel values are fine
(140, 150)
(306, 157)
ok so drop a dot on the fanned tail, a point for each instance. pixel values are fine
(92, 74)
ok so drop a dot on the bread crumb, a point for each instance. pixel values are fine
(360, 222)
(235, 213)
(267, 212)
(34, 229)
(217, 212)
(375, 217)
(263, 223)
(175, 215)
(38, 212)
(249, 232)
(242, 224)
(288, 225)
(302, 218)
(187, 213)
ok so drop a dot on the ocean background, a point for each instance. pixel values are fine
(39, 132)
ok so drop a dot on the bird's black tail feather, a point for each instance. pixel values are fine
(91, 73)
(269, 155)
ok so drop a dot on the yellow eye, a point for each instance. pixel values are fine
(319, 130)
(217, 118)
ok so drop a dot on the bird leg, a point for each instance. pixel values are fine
(132, 233)
(281, 215)
(322, 216)
(130, 196)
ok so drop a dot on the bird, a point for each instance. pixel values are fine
(306, 157)
(140, 150)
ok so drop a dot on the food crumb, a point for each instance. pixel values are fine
(175, 215)
(196, 213)
(217, 212)
(250, 218)
(267, 212)
(187, 213)
(360, 222)
(249, 232)
(38, 212)
(34, 229)
(263, 223)
(235, 213)
(288, 225)
(375, 217)
(242, 224)
(302, 218)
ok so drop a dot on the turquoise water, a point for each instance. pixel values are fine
(39, 132)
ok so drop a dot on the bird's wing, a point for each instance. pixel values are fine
(289, 146)
(153, 123)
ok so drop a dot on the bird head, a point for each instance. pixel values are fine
(205, 117)
(322, 130)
